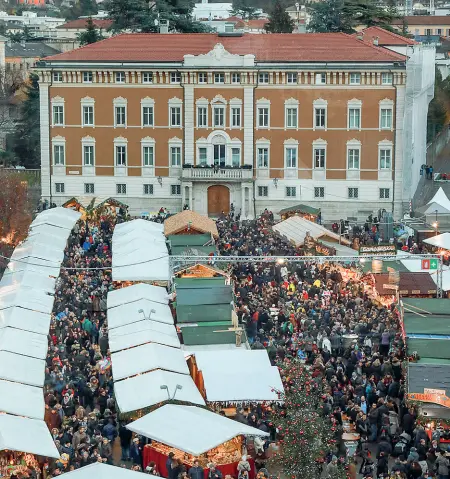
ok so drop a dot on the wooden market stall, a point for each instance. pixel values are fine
(95, 206)
(190, 223)
(304, 211)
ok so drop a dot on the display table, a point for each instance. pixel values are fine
(150, 454)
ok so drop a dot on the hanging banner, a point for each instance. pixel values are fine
(432, 398)
(378, 250)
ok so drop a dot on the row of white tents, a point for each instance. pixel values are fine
(26, 303)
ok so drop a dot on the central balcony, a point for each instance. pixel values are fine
(217, 173)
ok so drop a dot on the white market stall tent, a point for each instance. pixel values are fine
(26, 435)
(136, 292)
(22, 369)
(296, 228)
(142, 326)
(224, 381)
(38, 250)
(441, 241)
(26, 319)
(146, 358)
(35, 265)
(119, 342)
(28, 298)
(145, 390)
(21, 400)
(100, 470)
(439, 204)
(23, 342)
(189, 428)
(138, 225)
(59, 217)
(127, 314)
(48, 234)
(29, 279)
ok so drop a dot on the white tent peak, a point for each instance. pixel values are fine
(106, 471)
(439, 203)
(442, 240)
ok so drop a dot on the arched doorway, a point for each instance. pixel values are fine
(218, 200)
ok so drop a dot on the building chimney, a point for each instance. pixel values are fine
(360, 35)
(376, 40)
(164, 26)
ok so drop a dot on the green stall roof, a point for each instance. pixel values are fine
(203, 313)
(444, 362)
(300, 209)
(430, 348)
(427, 305)
(207, 324)
(201, 296)
(415, 324)
(194, 283)
(198, 250)
(189, 240)
(396, 265)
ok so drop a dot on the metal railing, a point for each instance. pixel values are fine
(217, 173)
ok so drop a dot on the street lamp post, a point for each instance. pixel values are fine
(177, 387)
(152, 311)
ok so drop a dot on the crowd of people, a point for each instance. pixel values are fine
(307, 310)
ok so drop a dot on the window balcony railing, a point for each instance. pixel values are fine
(217, 173)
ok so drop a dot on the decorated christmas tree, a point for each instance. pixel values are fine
(306, 437)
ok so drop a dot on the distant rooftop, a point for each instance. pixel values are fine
(29, 50)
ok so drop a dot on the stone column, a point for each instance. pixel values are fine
(189, 122)
(248, 115)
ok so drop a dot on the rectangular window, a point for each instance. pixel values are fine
(386, 78)
(175, 77)
(428, 32)
(263, 117)
(263, 158)
(385, 159)
(319, 158)
(355, 78)
(235, 156)
(88, 116)
(219, 78)
(202, 117)
(386, 118)
(175, 116)
(60, 188)
(57, 77)
(353, 193)
(291, 77)
(148, 156)
(59, 155)
(147, 116)
(120, 115)
(219, 116)
(263, 78)
(291, 191)
(121, 155)
(58, 115)
(235, 78)
(384, 193)
(121, 188)
(203, 78)
(354, 118)
(263, 191)
(235, 117)
(120, 77)
(320, 116)
(87, 77)
(175, 190)
(89, 188)
(353, 159)
(88, 155)
(291, 117)
(175, 156)
(147, 77)
(319, 192)
(202, 156)
(321, 78)
(291, 157)
(148, 189)
(438, 31)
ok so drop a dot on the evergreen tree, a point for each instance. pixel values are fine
(244, 9)
(26, 140)
(306, 436)
(329, 17)
(279, 20)
(368, 13)
(91, 35)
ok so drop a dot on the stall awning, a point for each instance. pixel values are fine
(150, 393)
(21, 400)
(35, 265)
(139, 224)
(410, 284)
(29, 279)
(129, 313)
(190, 429)
(441, 241)
(60, 217)
(35, 249)
(188, 221)
(136, 292)
(100, 470)
(300, 209)
(25, 319)
(23, 342)
(147, 358)
(26, 435)
(27, 298)
(224, 381)
(423, 376)
(22, 369)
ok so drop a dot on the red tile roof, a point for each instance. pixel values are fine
(82, 23)
(308, 47)
(385, 37)
(423, 20)
(257, 24)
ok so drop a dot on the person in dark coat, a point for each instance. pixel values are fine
(136, 452)
(196, 471)
(125, 440)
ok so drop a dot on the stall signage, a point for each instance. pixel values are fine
(378, 250)
(430, 264)
(432, 398)
(390, 286)
(440, 392)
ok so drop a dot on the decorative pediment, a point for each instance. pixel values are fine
(57, 99)
(202, 100)
(148, 139)
(88, 139)
(58, 138)
(262, 140)
(120, 139)
(218, 99)
(175, 100)
(385, 142)
(320, 101)
(87, 99)
(386, 101)
(148, 100)
(263, 100)
(218, 56)
(291, 141)
(237, 140)
(236, 101)
(120, 99)
(320, 141)
(175, 139)
(354, 101)
(291, 101)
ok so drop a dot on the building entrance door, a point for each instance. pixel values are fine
(219, 155)
(218, 200)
